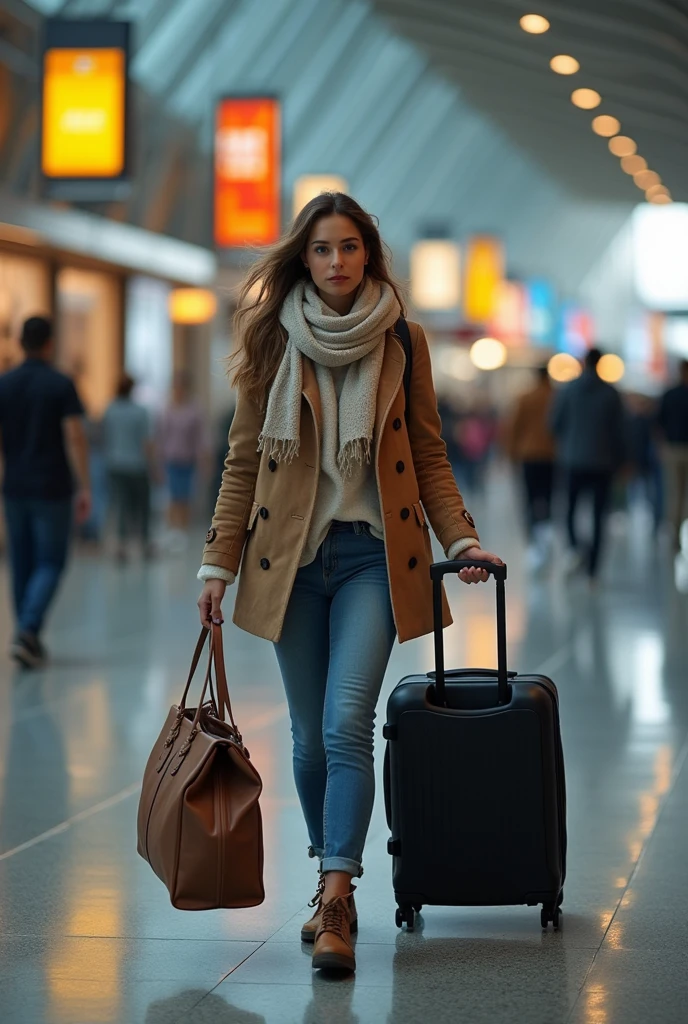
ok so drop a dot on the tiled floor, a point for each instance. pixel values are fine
(87, 934)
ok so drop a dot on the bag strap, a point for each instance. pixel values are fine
(401, 329)
(216, 661)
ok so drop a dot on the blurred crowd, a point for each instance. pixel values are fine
(583, 441)
(132, 481)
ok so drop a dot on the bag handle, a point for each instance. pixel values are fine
(216, 660)
(437, 573)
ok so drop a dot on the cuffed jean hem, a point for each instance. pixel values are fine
(315, 851)
(352, 867)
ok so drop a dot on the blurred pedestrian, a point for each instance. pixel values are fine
(673, 426)
(46, 453)
(475, 434)
(643, 458)
(589, 425)
(529, 441)
(128, 451)
(182, 447)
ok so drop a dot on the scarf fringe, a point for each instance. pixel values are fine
(354, 453)
(278, 449)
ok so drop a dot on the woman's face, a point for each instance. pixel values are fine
(336, 256)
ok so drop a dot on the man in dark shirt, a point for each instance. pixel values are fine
(673, 425)
(44, 449)
(588, 422)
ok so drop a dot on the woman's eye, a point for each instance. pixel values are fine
(320, 249)
(352, 247)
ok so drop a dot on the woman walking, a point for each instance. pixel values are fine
(323, 501)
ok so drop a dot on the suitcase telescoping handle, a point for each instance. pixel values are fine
(437, 573)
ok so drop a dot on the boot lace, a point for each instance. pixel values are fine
(319, 892)
(335, 916)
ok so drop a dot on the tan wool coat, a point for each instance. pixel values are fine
(264, 508)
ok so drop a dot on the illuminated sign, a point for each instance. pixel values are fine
(83, 113)
(484, 275)
(509, 319)
(84, 107)
(248, 172)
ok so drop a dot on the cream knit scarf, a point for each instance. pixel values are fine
(355, 340)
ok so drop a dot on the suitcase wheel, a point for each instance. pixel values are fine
(406, 915)
(551, 913)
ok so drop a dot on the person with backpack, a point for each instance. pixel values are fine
(333, 467)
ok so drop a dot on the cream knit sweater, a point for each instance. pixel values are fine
(348, 499)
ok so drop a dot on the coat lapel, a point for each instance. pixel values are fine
(390, 380)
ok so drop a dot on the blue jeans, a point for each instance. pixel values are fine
(336, 642)
(38, 533)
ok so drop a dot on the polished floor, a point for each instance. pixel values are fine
(87, 934)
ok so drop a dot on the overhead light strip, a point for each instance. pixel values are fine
(605, 125)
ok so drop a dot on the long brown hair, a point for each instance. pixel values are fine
(274, 274)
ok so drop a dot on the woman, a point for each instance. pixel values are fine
(182, 445)
(323, 500)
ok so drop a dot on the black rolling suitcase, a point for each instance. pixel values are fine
(474, 782)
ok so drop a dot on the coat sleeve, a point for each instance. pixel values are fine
(438, 490)
(227, 534)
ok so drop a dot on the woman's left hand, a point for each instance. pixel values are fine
(478, 555)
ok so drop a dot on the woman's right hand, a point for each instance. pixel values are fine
(210, 602)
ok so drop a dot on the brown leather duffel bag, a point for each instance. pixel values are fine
(199, 821)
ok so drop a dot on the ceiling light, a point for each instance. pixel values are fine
(563, 368)
(586, 99)
(488, 354)
(564, 65)
(534, 23)
(657, 190)
(192, 305)
(605, 125)
(622, 146)
(646, 179)
(633, 164)
(611, 368)
(660, 199)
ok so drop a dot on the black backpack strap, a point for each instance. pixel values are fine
(401, 329)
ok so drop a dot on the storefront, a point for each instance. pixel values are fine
(105, 285)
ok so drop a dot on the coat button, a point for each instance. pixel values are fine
(397, 424)
(400, 467)
(211, 535)
(413, 562)
(265, 563)
(272, 465)
(263, 513)
(405, 513)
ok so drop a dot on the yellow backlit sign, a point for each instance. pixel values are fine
(484, 276)
(84, 101)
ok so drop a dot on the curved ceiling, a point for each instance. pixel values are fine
(437, 112)
(633, 52)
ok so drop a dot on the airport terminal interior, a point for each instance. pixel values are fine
(527, 167)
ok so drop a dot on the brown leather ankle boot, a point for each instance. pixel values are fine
(310, 927)
(333, 949)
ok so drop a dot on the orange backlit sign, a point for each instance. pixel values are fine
(248, 172)
(84, 113)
